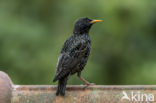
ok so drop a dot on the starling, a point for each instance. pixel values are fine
(74, 54)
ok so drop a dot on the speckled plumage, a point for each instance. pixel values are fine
(70, 52)
(74, 54)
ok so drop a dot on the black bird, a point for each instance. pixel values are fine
(74, 54)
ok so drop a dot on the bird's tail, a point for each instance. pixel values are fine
(62, 86)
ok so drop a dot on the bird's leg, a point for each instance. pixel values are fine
(85, 81)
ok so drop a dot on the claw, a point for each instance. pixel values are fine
(89, 84)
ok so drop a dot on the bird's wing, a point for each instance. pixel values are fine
(63, 61)
(68, 60)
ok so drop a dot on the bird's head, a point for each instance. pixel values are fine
(83, 25)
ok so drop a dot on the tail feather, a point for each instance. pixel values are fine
(61, 86)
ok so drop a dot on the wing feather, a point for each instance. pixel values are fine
(70, 56)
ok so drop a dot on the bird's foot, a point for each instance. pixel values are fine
(89, 84)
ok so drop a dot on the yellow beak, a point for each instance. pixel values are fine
(95, 21)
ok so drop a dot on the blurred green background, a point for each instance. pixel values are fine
(32, 33)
